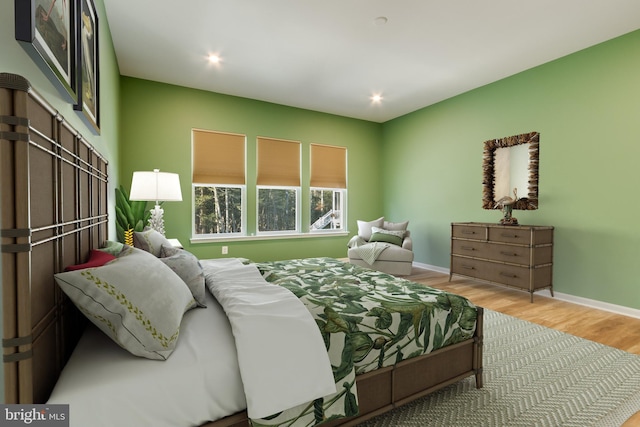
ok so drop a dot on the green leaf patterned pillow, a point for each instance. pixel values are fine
(135, 299)
(389, 236)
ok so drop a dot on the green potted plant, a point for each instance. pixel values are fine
(130, 216)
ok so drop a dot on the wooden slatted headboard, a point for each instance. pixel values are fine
(54, 210)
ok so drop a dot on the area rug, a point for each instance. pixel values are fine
(533, 376)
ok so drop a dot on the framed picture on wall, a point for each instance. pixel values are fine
(47, 31)
(88, 102)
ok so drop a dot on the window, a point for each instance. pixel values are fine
(224, 207)
(326, 209)
(218, 181)
(218, 209)
(328, 187)
(278, 186)
(277, 209)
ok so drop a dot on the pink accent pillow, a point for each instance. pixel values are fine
(96, 259)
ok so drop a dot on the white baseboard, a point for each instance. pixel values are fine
(600, 305)
(431, 267)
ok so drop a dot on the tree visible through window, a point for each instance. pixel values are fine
(218, 209)
(277, 209)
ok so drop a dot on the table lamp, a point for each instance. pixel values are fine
(159, 187)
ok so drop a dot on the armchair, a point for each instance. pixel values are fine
(383, 246)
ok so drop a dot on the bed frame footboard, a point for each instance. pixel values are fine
(387, 388)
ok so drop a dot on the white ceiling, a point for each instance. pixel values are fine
(331, 56)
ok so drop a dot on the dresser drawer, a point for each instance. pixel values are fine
(521, 235)
(510, 235)
(491, 271)
(509, 275)
(470, 248)
(509, 253)
(520, 277)
(513, 254)
(470, 267)
(469, 232)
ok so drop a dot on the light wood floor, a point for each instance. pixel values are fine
(611, 329)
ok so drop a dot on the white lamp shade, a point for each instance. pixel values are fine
(156, 186)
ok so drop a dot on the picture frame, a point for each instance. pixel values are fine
(46, 29)
(88, 70)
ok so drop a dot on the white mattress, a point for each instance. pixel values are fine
(106, 386)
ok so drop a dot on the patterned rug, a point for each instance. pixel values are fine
(533, 376)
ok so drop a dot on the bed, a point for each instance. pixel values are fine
(54, 213)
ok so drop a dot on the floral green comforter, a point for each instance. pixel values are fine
(368, 320)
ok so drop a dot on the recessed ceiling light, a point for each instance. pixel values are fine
(376, 98)
(380, 20)
(213, 58)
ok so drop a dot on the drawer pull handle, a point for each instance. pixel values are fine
(468, 232)
(509, 275)
(468, 267)
(508, 253)
(513, 236)
(468, 248)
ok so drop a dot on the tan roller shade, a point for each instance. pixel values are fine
(218, 158)
(328, 166)
(278, 162)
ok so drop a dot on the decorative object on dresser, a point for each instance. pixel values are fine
(519, 256)
(506, 203)
(158, 186)
(509, 164)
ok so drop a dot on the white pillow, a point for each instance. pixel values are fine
(186, 265)
(150, 240)
(396, 225)
(364, 227)
(135, 299)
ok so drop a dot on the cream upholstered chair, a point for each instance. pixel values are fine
(383, 246)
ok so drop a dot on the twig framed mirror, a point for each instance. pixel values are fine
(508, 165)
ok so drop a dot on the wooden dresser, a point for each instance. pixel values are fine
(519, 256)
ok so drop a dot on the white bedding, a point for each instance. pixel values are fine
(200, 382)
(282, 356)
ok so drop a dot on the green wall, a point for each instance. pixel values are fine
(156, 122)
(14, 59)
(586, 107)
